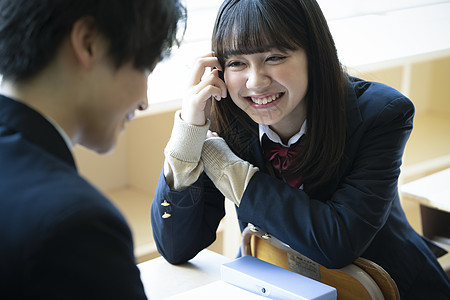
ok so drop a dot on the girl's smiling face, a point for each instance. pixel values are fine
(270, 87)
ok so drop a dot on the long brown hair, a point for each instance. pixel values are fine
(252, 26)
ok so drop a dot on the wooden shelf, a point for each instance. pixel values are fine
(430, 138)
(428, 149)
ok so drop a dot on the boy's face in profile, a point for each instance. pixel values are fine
(115, 95)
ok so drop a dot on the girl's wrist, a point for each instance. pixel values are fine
(186, 140)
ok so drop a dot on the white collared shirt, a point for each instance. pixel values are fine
(274, 137)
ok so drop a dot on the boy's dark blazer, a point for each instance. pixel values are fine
(60, 238)
(357, 211)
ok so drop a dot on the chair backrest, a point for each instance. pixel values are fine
(363, 279)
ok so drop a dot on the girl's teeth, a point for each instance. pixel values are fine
(266, 99)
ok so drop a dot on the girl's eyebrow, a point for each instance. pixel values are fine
(255, 49)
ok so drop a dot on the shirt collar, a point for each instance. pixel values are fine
(274, 137)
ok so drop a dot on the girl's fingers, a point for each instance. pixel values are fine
(197, 102)
(196, 108)
(207, 61)
(220, 83)
(214, 81)
(208, 92)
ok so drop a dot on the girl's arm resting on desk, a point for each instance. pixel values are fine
(187, 207)
(195, 214)
(182, 165)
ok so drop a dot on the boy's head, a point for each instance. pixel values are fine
(85, 63)
(140, 31)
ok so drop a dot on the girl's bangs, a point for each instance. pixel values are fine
(248, 28)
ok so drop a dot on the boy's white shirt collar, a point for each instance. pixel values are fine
(273, 136)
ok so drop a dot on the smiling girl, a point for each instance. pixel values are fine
(330, 190)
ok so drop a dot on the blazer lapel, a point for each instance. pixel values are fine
(257, 154)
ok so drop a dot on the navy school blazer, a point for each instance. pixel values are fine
(356, 213)
(60, 238)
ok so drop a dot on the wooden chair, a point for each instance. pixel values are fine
(363, 279)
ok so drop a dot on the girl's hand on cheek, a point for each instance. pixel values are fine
(203, 86)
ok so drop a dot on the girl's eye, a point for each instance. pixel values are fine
(276, 58)
(235, 64)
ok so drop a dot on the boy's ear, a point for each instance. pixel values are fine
(84, 38)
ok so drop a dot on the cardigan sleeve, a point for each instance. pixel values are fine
(229, 173)
(182, 165)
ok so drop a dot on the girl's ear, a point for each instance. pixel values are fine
(84, 39)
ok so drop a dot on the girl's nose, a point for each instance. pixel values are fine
(257, 79)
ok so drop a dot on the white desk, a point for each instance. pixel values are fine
(161, 279)
(432, 191)
(200, 279)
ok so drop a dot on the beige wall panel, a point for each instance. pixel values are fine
(147, 138)
(106, 172)
(440, 87)
(420, 86)
(389, 76)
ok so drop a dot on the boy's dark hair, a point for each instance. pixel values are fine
(141, 31)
